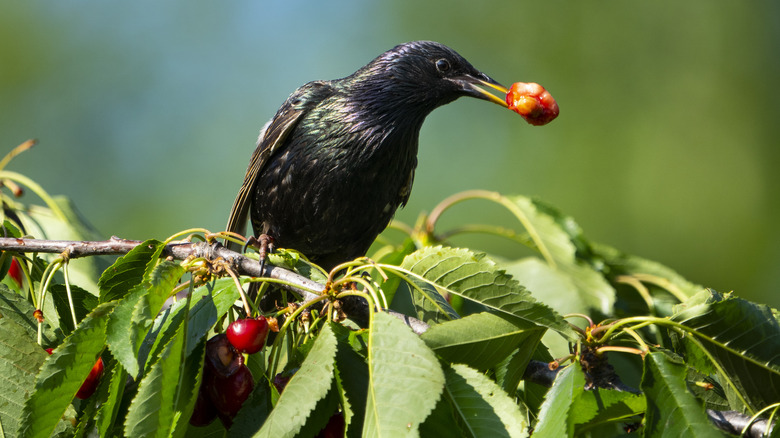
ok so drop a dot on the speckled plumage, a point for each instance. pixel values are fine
(338, 158)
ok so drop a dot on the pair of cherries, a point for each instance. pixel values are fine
(227, 382)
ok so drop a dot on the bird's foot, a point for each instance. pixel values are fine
(264, 244)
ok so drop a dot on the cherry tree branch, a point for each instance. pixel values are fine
(177, 250)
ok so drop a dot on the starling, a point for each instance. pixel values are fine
(338, 158)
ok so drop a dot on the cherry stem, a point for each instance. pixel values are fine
(276, 349)
(240, 290)
(632, 350)
(70, 296)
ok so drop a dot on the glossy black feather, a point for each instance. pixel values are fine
(338, 158)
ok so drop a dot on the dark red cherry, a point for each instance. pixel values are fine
(221, 357)
(227, 394)
(91, 383)
(204, 412)
(248, 335)
(15, 272)
(334, 428)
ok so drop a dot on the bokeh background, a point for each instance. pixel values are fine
(666, 147)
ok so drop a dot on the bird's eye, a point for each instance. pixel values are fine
(442, 65)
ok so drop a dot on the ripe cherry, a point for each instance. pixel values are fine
(280, 381)
(533, 102)
(204, 412)
(15, 272)
(227, 394)
(248, 335)
(334, 428)
(227, 382)
(93, 379)
(91, 383)
(221, 357)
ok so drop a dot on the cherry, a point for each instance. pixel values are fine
(204, 412)
(91, 383)
(334, 428)
(533, 102)
(227, 394)
(15, 272)
(93, 379)
(280, 381)
(248, 335)
(227, 382)
(221, 357)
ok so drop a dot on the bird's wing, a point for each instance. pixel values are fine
(271, 139)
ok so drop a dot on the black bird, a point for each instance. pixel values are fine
(338, 158)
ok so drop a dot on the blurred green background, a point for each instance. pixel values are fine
(666, 147)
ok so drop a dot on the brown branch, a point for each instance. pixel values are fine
(177, 250)
(209, 251)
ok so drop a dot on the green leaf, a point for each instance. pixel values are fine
(555, 411)
(600, 406)
(191, 374)
(554, 287)
(477, 278)
(16, 308)
(307, 387)
(135, 314)
(441, 422)
(63, 372)
(395, 256)
(483, 408)
(619, 263)
(671, 409)
(89, 408)
(428, 303)
(129, 270)
(480, 340)
(107, 414)
(406, 379)
(253, 412)
(208, 304)
(352, 381)
(743, 338)
(20, 359)
(166, 394)
(510, 371)
(83, 303)
(560, 241)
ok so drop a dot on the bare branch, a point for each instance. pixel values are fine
(182, 250)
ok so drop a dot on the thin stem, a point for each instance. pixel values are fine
(70, 297)
(634, 282)
(631, 350)
(16, 151)
(494, 230)
(500, 199)
(276, 349)
(663, 283)
(185, 232)
(37, 189)
(240, 290)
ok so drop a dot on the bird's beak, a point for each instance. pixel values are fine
(472, 86)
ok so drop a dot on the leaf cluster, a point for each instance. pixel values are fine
(653, 354)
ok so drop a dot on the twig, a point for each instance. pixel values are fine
(733, 422)
(180, 251)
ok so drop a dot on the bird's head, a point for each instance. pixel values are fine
(425, 75)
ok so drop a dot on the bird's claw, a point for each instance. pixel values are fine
(264, 245)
